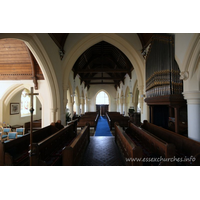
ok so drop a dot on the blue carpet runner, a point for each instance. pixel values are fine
(102, 128)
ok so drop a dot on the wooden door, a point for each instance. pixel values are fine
(102, 109)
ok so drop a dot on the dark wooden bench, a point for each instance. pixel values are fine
(73, 153)
(153, 147)
(92, 119)
(74, 122)
(36, 125)
(185, 147)
(15, 152)
(113, 117)
(127, 147)
(49, 152)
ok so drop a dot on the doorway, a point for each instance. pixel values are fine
(102, 109)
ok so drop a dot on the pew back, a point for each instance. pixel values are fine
(72, 154)
(113, 117)
(90, 118)
(15, 152)
(183, 144)
(157, 145)
(127, 147)
(51, 147)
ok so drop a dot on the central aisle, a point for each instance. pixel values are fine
(102, 151)
(102, 128)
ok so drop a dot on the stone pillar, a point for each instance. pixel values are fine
(87, 104)
(193, 107)
(82, 108)
(71, 110)
(78, 109)
(122, 105)
(53, 115)
(131, 101)
(124, 109)
(140, 88)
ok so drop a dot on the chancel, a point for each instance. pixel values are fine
(107, 99)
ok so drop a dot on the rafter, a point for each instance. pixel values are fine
(106, 70)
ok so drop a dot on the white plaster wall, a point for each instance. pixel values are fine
(43, 101)
(17, 119)
(183, 42)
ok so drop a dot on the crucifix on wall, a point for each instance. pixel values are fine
(31, 123)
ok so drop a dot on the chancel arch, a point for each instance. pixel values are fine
(91, 39)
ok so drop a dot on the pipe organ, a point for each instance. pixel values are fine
(163, 85)
(162, 71)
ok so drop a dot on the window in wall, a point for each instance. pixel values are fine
(25, 104)
(102, 98)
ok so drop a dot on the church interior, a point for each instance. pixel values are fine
(99, 99)
(139, 91)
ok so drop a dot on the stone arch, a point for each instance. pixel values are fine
(10, 93)
(37, 49)
(127, 95)
(113, 39)
(190, 70)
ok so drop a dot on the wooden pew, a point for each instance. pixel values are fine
(153, 147)
(72, 154)
(127, 147)
(15, 152)
(113, 117)
(50, 150)
(74, 122)
(36, 125)
(185, 147)
(92, 119)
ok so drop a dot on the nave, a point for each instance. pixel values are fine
(102, 149)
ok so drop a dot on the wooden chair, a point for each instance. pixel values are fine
(20, 132)
(4, 134)
(11, 136)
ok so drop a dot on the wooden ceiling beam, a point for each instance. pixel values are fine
(100, 78)
(100, 70)
(34, 77)
(92, 83)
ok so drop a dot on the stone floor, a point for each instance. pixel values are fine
(102, 151)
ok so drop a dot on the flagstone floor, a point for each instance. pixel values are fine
(102, 151)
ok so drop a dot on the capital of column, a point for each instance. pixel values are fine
(54, 109)
(192, 97)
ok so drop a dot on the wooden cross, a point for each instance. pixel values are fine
(31, 123)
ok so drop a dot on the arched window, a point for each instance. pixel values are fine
(102, 98)
(25, 103)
